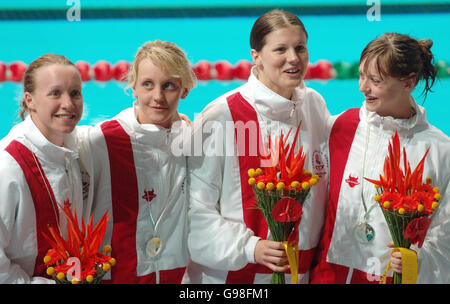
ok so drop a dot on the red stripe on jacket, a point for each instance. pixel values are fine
(243, 112)
(341, 140)
(44, 201)
(125, 208)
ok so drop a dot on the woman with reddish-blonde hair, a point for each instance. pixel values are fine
(40, 168)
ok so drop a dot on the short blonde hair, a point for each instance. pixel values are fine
(168, 57)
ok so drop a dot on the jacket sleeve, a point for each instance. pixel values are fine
(434, 255)
(214, 240)
(14, 213)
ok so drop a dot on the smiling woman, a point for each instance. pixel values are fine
(278, 43)
(55, 103)
(38, 159)
(274, 99)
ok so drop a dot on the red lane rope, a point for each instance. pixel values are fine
(220, 70)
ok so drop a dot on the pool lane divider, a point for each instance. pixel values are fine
(222, 70)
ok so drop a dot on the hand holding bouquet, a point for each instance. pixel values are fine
(281, 188)
(407, 204)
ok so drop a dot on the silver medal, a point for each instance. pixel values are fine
(364, 233)
(154, 246)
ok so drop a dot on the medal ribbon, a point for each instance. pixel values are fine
(292, 255)
(409, 266)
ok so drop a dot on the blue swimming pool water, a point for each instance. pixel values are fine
(334, 38)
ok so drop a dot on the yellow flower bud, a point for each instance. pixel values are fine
(401, 211)
(306, 185)
(420, 207)
(313, 181)
(258, 172)
(251, 181)
(308, 173)
(89, 278)
(435, 189)
(60, 276)
(377, 197)
(434, 205)
(75, 281)
(107, 248)
(50, 271)
(295, 184)
(386, 204)
(270, 186)
(260, 185)
(112, 261)
(377, 186)
(437, 196)
(106, 267)
(429, 180)
(251, 172)
(280, 186)
(47, 259)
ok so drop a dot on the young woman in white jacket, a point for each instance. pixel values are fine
(40, 169)
(136, 174)
(229, 240)
(391, 66)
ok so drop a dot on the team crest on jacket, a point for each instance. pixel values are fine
(149, 195)
(352, 181)
(319, 163)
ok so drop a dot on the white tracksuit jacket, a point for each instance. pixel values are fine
(373, 134)
(137, 160)
(18, 223)
(219, 239)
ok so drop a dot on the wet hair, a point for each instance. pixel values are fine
(166, 56)
(29, 77)
(269, 22)
(398, 55)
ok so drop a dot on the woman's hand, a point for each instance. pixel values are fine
(396, 259)
(271, 254)
(185, 118)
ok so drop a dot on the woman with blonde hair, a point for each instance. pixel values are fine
(40, 168)
(137, 176)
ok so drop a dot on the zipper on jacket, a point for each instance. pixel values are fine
(167, 136)
(293, 109)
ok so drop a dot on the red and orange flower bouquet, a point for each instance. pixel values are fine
(281, 188)
(407, 204)
(77, 259)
